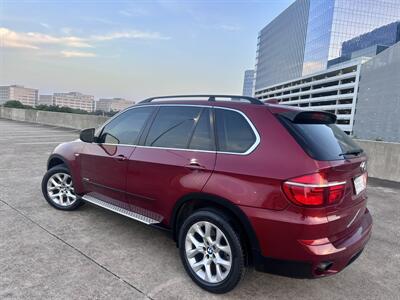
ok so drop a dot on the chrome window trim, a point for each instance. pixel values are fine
(316, 185)
(256, 142)
(247, 152)
(179, 149)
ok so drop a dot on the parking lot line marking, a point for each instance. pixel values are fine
(75, 249)
(38, 143)
(42, 131)
(36, 136)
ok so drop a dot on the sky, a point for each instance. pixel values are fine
(131, 49)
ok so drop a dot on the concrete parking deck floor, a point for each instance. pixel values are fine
(94, 254)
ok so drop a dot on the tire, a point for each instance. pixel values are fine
(58, 181)
(192, 257)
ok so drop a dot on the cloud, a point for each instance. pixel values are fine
(66, 30)
(10, 39)
(98, 20)
(45, 25)
(36, 40)
(125, 13)
(133, 12)
(70, 54)
(133, 34)
(227, 27)
(32, 40)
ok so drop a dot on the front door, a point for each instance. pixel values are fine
(104, 163)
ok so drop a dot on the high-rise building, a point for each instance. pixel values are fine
(74, 100)
(114, 104)
(369, 44)
(26, 96)
(46, 100)
(386, 35)
(280, 46)
(351, 83)
(310, 33)
(248, 83)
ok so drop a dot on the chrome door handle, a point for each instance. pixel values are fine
(195, 165)
(120, 157)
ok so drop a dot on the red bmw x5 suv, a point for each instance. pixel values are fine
(238, 183)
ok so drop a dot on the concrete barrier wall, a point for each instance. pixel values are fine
(76, 121)
(384, 158)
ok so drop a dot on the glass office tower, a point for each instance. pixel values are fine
(248, 83)
(309, 33)
(280, 47)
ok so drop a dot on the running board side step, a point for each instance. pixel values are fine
(119, 210)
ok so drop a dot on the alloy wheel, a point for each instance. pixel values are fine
(61, 190)
(208, 252)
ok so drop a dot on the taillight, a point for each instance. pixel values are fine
(314, 190)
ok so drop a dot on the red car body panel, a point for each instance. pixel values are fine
(156, 179)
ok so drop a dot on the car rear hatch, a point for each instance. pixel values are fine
(339, 161)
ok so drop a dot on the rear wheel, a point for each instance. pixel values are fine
(211, 251)
(58, 188)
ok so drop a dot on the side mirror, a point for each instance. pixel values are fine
(87, 135)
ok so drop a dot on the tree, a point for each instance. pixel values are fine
(14, 104)
(63, 109)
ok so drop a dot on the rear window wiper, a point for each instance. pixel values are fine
(352, 152)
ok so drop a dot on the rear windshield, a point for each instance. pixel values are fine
(322, 141)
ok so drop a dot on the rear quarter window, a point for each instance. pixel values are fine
(234, 132)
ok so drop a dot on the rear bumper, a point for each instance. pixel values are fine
(299, 269)
(287, 255)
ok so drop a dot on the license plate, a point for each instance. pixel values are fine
(360, 183)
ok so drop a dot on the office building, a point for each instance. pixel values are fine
(45, 100)
(369, 44)
(114, 104)
(363, 92)
(26, 96)
(248, 83)
(310, 33)
(74, 100)
(280, 46)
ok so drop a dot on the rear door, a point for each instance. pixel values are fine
(176, 158)
(338, 156)
(104, 163)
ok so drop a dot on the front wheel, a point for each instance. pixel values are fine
(211, 251)
(58, 189)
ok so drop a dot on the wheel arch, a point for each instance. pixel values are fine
(196, 201)
(55, 160)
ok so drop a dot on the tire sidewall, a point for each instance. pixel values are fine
(58, 169)
(237, 268)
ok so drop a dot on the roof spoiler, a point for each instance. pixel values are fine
(309, 117)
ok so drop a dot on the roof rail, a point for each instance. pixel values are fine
(210, 98)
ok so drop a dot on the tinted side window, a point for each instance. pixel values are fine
(233, 131)
(172, 127)
(203, 137)
(125, 128)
